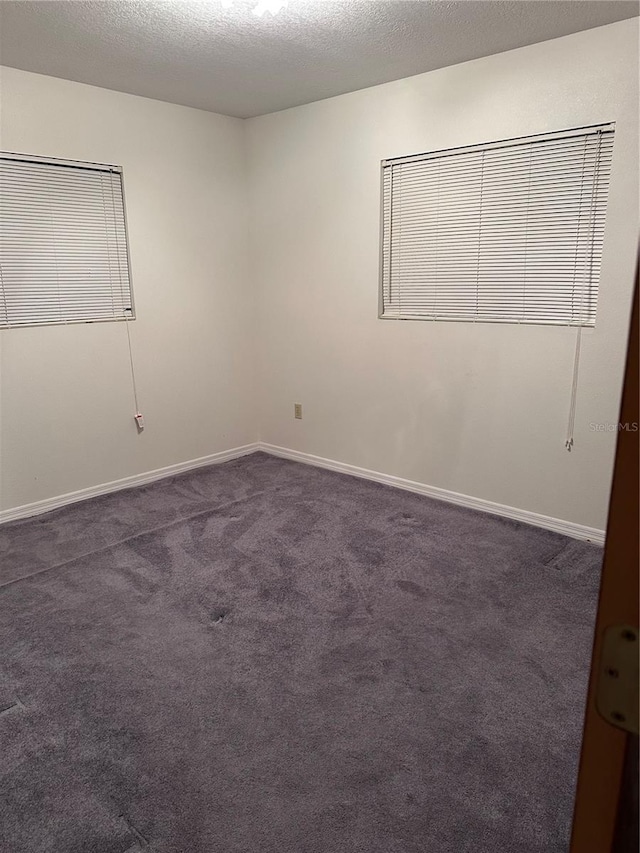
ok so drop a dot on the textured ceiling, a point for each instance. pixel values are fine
(230, 61)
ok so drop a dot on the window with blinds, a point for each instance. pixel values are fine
(508, 232)
(63, 243)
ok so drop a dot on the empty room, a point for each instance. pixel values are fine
(318, 426)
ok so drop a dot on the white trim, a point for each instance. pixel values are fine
(48, 504)
(567, 528)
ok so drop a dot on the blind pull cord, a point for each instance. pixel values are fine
(576, 358)
(137, 415)
(574, 391)
(133, 370)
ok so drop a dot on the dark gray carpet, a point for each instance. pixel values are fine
(263, 657)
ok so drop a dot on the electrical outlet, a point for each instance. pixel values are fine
(297, 411)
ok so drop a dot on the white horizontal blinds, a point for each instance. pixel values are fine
(63, 249)
(507, 232)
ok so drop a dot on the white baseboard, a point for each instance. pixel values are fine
(48, 504)
(567, 528)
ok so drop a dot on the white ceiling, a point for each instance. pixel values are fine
(230, 61)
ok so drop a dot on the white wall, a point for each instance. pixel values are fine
(66, 409)
(477, 409)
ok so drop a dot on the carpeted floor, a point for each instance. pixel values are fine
(263, 657)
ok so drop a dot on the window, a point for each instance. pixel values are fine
(63, 244)
(505, 232)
